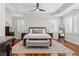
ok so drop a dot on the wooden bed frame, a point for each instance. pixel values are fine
(24, 41)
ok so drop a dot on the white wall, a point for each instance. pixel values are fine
(41, 21)
(38, 21)
(8, 21)
(2, 19)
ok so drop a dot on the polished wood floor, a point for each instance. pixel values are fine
(68, 44)
(31, 54)
(71, 45)
(43, 54)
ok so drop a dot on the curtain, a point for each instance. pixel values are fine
(54, 25)
(20, 25)
(74, 24)
(68, 24)
(71, 24)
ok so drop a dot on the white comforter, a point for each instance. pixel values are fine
(28, 36)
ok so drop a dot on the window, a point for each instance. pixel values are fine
(20, 25)
(54, 25)
(68, 24)
(78, 23)
(72, 24)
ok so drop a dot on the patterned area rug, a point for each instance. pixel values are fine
(56, 49)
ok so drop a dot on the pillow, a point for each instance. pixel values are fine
(43, 30)
(37, 31)
(30, 30)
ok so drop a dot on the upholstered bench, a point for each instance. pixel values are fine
(38, 43)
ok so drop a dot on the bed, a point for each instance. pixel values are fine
(37, 37)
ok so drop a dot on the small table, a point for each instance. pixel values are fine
(23, 34)
(59, 38)
(51, 34)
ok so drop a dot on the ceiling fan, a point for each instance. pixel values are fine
(37, 8)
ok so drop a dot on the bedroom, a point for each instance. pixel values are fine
(59, 20)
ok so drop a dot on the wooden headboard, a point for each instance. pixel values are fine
(37, 28)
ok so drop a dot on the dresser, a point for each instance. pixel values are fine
(7, 31)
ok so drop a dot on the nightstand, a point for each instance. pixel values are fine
(51, 34)
(61, 37)
(23, 34)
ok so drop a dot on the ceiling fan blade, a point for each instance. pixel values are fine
(41, 10)
(37, 8)
(33, 10)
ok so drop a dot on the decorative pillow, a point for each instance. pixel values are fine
(37, 31)
(30, 30)
(43, 30)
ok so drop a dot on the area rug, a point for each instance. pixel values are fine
(55, 49)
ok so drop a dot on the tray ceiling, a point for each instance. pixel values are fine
(22, 9)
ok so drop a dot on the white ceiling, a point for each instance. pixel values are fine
(21, 9)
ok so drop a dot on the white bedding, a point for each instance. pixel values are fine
(28, 36)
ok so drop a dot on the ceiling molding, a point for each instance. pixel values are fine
(17, 9)
(62, 8)
(68, 10)
(61, 11)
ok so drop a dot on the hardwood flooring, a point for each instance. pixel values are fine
(72, 46)
(68, 44)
